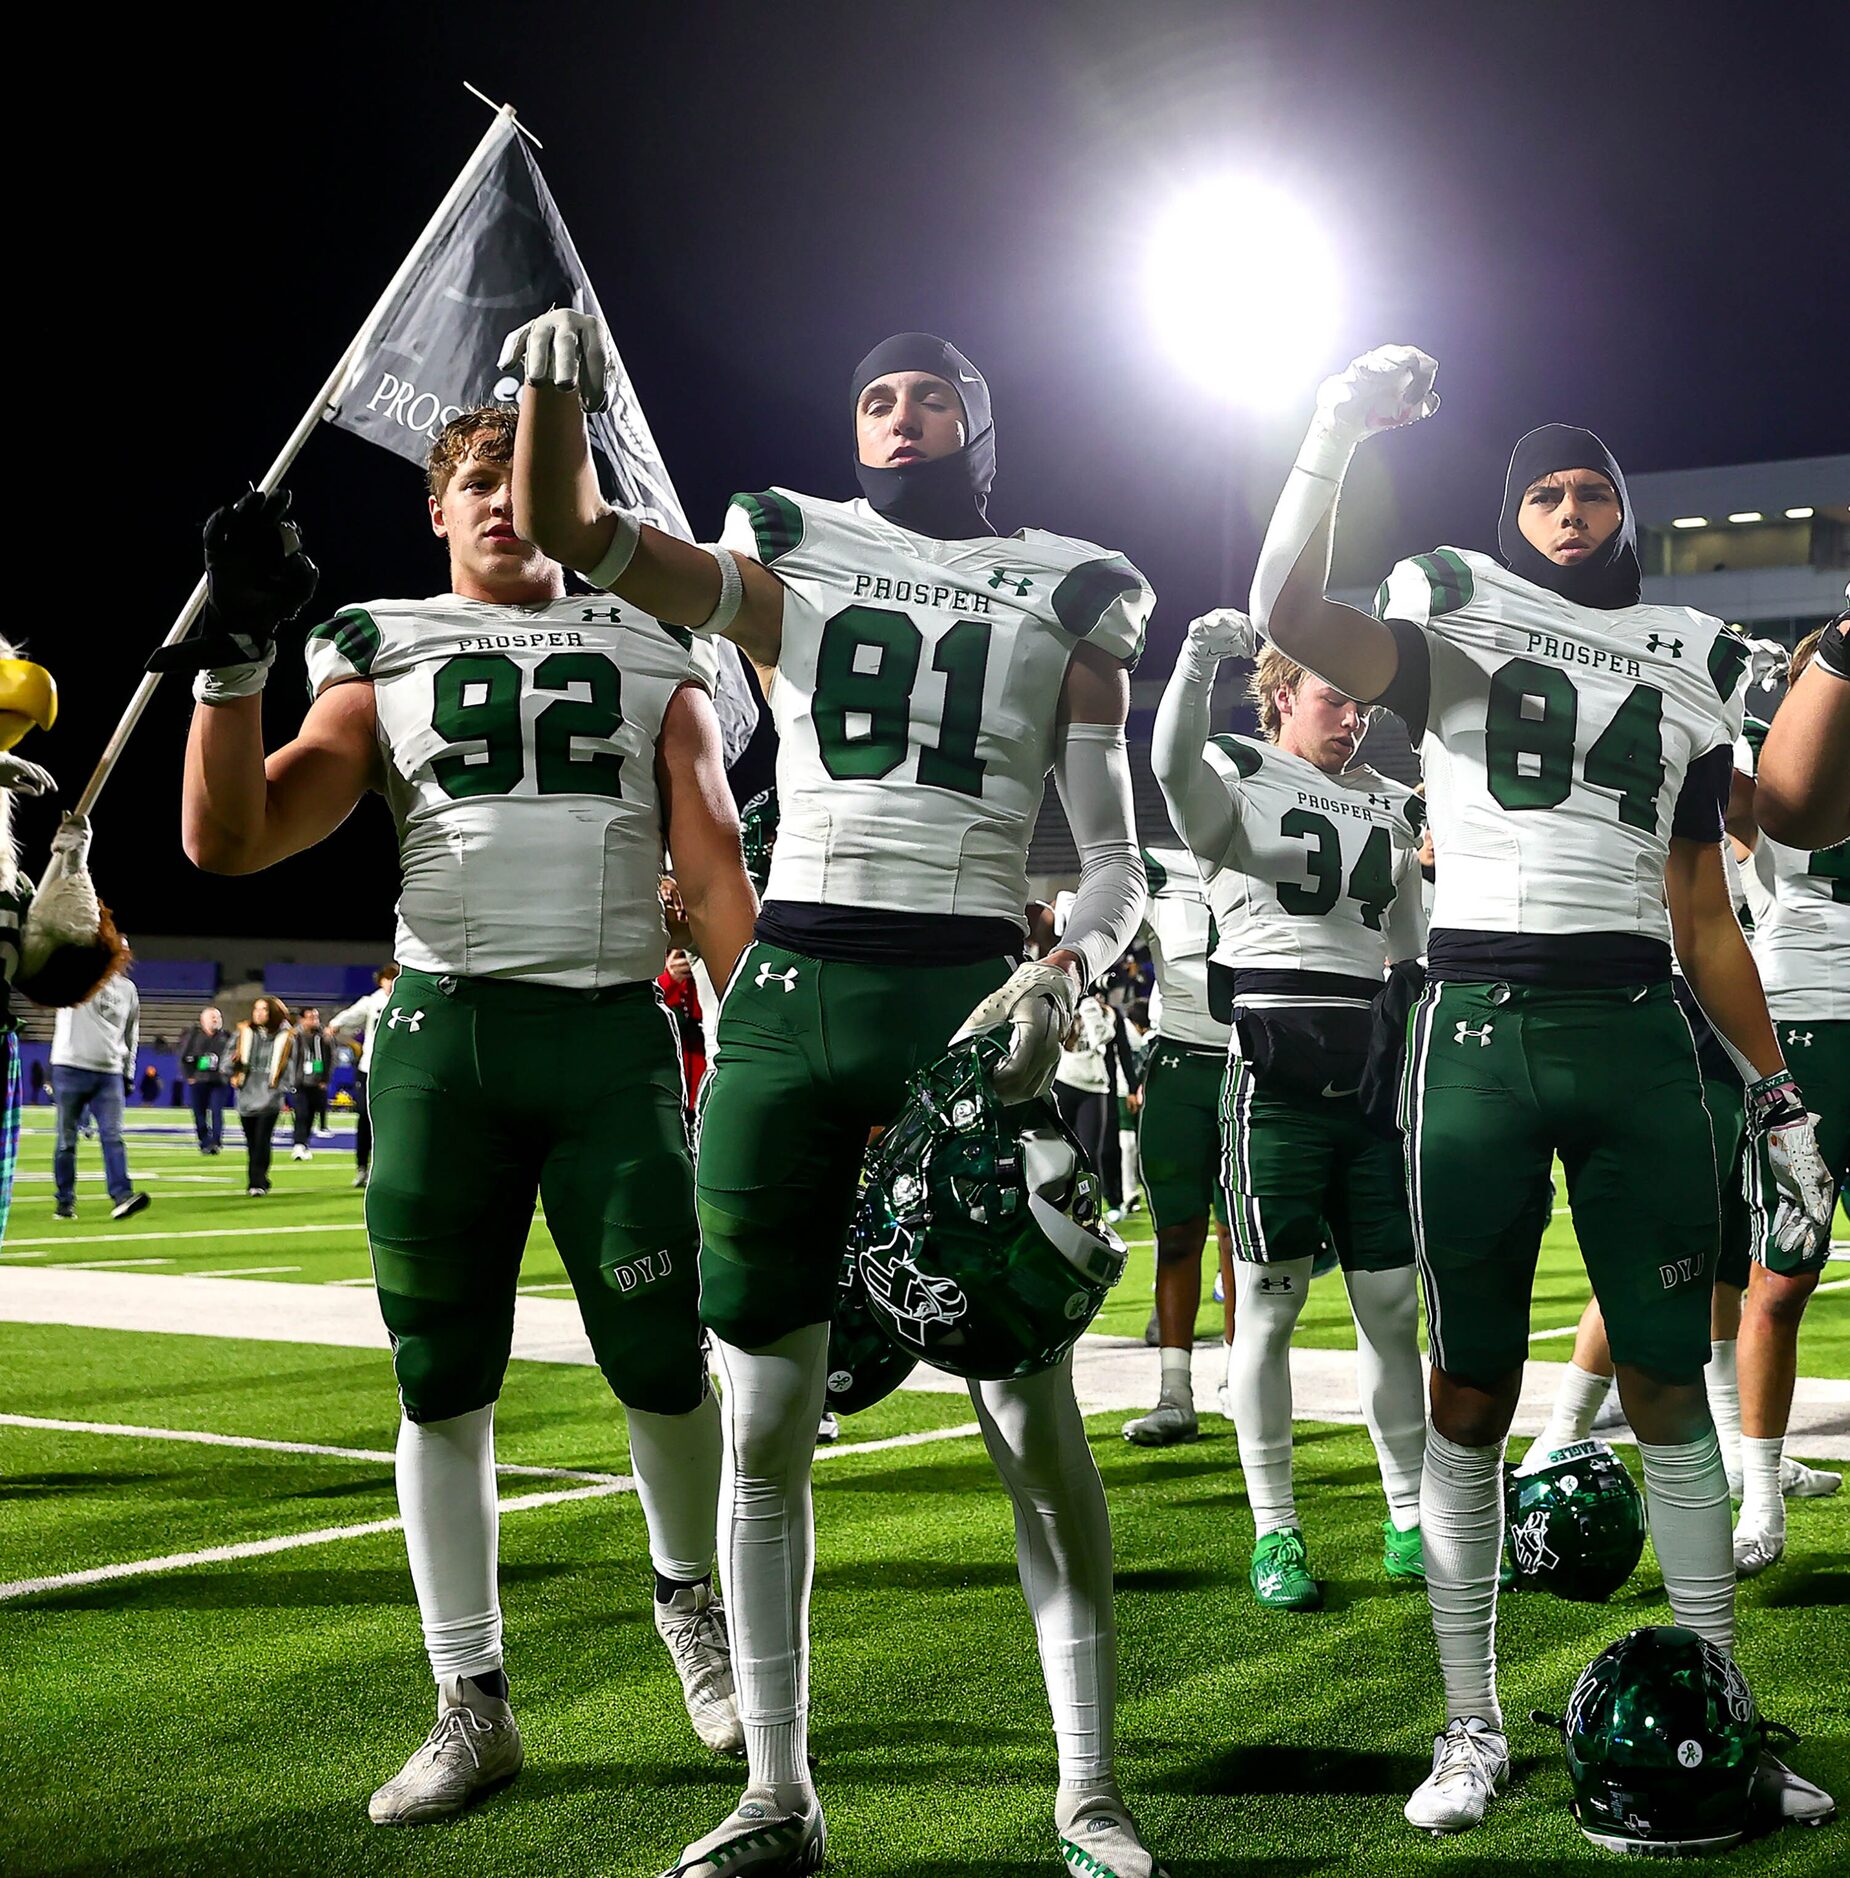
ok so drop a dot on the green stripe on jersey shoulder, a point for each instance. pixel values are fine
(1154, 872)
(1448, 577)
(1755, 732)
(1727, 661)
(1240, 754)
(683, 636)
(1413, 812)
(1381, 601)
(1082, 598)
(777, 523)
(354, 634)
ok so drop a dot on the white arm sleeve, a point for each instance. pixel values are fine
(1198, 804)
(1092, 772)
(1309, 495)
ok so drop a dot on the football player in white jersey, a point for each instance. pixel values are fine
(1179, 1134)
(1802, 944)
(1576, 747)
(1312, 870)
(535, 751)
(928, 673)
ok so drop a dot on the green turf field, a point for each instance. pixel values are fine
(232, 1713)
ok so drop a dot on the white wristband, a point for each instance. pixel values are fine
(1325, 452)
(731, 590)
(622, 550)
(221, 683)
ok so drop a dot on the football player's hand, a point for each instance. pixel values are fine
(1382, 390)
(566, 350)
(257, 576)
(23, 778)
(1766, 660)
(1037, 1005)
(1225, 633)
(1802, 1218)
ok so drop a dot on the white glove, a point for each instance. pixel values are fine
(1223, 634)
(1037, 1004)
(1767, 660)
(23, 778)
(1801, 1222)
(1382, 390)
(564, 349)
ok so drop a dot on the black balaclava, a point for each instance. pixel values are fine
(947, 498)
(1610, 576)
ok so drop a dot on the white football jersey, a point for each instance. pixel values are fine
(1801, 934)
(1179, 929)
(1322, 872)
(1557, 740)
(916, 697)
(519, 746)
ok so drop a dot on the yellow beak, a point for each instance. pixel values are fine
(28, 697)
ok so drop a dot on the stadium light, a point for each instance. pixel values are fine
(1243, 289)
(1798, 515)
(1748, 515)
(1690, 521)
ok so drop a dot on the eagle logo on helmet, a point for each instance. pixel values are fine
(908, 1294)
(1530, 1538)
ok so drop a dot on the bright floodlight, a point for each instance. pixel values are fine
(1243, 288)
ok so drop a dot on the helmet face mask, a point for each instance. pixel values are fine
(1576, 1526)
(758, 836)
(1662, 1738)
(980, 1237)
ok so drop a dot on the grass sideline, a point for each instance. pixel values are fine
(234, 1716)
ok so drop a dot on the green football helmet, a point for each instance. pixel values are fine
(980, 1236)
(1576, 1526)
(865, 1364)
(1662, 1738)
(758, 836)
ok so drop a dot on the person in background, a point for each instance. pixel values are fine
(205, 1057)
(93, 1050)
(261, 1072)
(358, 1023)
(1082, 1083)
(682, 997)
(1802, 794)
(311, 1063)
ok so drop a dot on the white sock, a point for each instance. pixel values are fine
(1267, 1300)
(1387, 1364)
(1037, 1439)
(1763, 1505)
(1724, 1388)
(771, 1404)
(1127, 1163)
(676, 1459)
(1461, 1533)
(1577, 1401)
(1178, 1383)
(1686, 1495)
(446, 1493)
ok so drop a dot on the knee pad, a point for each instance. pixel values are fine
(448, 1359)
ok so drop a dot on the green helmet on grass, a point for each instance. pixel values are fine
(1576, 1525)
(1662, 1738)
(980, 1235)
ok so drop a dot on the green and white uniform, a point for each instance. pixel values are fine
(523, 1053)
(1317, 892)
(1178, 1136)
(917, 693)
(1801, 944)
(1564, 746)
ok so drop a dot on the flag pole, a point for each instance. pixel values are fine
(497, 134)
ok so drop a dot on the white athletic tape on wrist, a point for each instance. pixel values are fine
(621, 552)
(731, 590)
(221, 683)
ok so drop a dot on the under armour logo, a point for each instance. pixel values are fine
(411, 1019)
(1464, 1030)
(1675, 645)
(1799, 1036)
(1003, 578)
(787, 978)
(1280, 1281)
(611, 613)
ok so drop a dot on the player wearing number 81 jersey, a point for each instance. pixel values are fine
(1576, 747)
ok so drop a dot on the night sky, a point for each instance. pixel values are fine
(1628, 216)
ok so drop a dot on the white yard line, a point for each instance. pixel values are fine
(203, 1232)
(261, 1548)
(356, 1283)
(103, 1265)
(1542, 1336)
(246, 1271)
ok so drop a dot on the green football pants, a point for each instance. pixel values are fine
(1178, 1134)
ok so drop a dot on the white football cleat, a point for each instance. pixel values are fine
(1470, 1763)
(1099, 1839)
(1223, 1401)
(693, 1625)
(1799, 1482)
(828, 1429)
(1789, 1797)
(1166, 1424)
(1755, 1551)
(474, 1748)
(759, 1837)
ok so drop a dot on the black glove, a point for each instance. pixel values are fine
(256, 577)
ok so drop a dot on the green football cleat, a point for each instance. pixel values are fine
(1402, 1555)
(1280, 1573)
